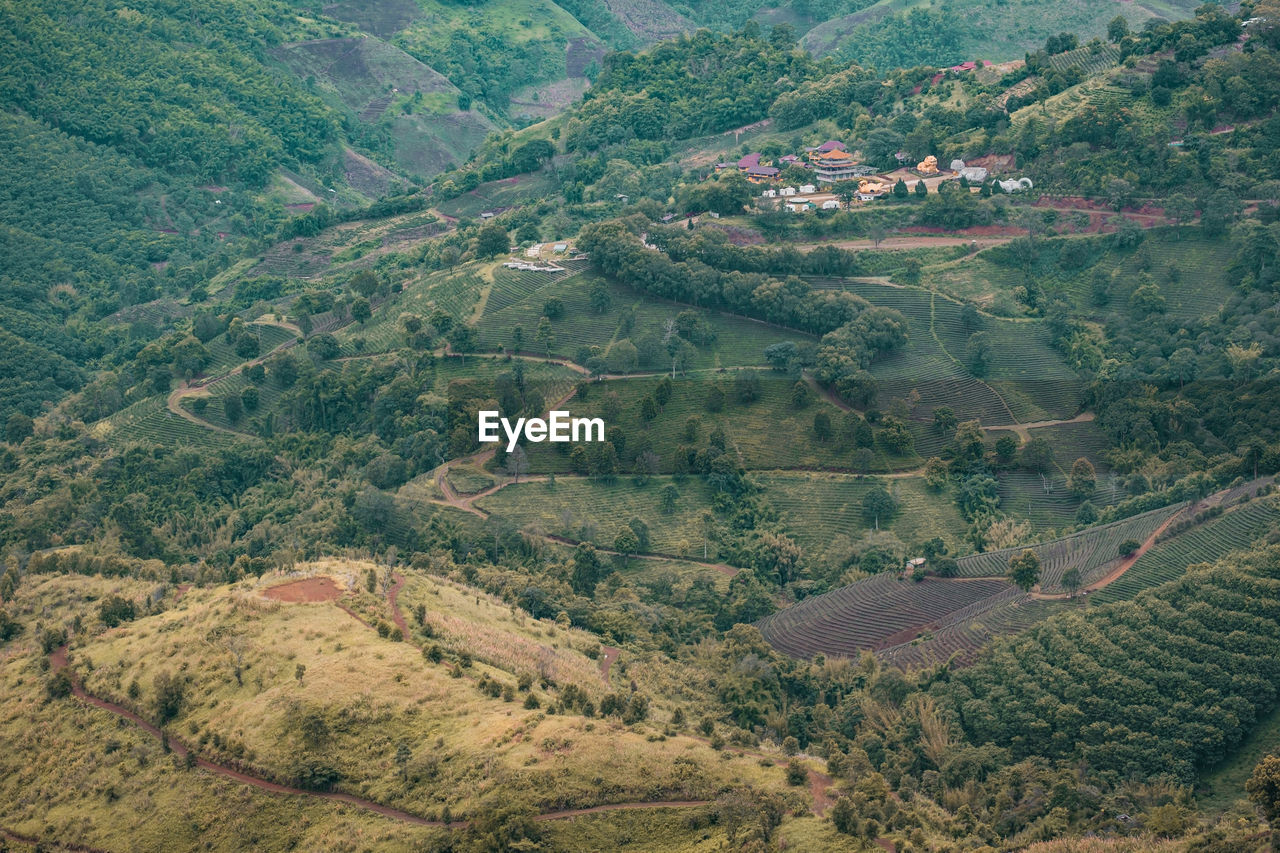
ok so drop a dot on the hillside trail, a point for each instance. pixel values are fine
(1127, 563)
(59, 663)
(608, 655)
(1123, 566)
(58, 660)
(174, 401)
(818, 782)
(909, 241)
(42, 844)
(1021, 429)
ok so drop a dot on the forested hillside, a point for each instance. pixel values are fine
(934, 505)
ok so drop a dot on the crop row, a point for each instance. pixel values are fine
(961, 640)
(1089, 551)
(870, 613)
(1202, 544)
(1087, 59)
(150, 422)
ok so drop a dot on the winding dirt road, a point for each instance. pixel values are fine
(58, 660)
(59, 663)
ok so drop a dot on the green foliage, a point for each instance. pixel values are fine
(1108, 687)
(1024, 569)
(655, 95)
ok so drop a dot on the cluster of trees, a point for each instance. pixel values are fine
(112, 81)
(697, 84)
(618, 252)
(1155, 688)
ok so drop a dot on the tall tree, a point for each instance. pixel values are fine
(1024, 569)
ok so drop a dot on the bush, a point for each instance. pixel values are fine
(796, 773)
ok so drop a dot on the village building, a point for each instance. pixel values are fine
(769, 194)
(827, 147)
(834, 166)
(787, 191)
(762, 174)
(831, 204)
(808, 189)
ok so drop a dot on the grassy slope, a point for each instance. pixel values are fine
(1198, 286)
(375, 693)
(766, 433)
(822, 512)
(74, 773)
(997, 30)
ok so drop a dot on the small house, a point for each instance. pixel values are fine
(769, 194)
(831, 204)
(762, 174)
(787, 191)
(560, 248)
(488, 214)
(808, 188)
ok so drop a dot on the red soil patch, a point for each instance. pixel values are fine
(307, 590)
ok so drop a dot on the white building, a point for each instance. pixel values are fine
(831, 204)
(808, 188)
(787, 191)
(769, 194)
(1015, 186)
(974, 174)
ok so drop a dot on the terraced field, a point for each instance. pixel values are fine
(589, 510)
(1090, 62)
(876, 613)
(1205, 543)
(766, 433)
(552, 381)
(1026, 381)
(222, 357)
(962, 635)
(1090, 551)
(1189, 268)
(456, 292)
(150, 422)
(914, 624)
(739, 341)
(823, 512)
(511, 286)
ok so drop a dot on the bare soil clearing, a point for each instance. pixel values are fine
(308, 590)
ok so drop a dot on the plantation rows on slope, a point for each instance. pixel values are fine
(1203, 544)
(962, 635)
(1089, 551)
(873, 613)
